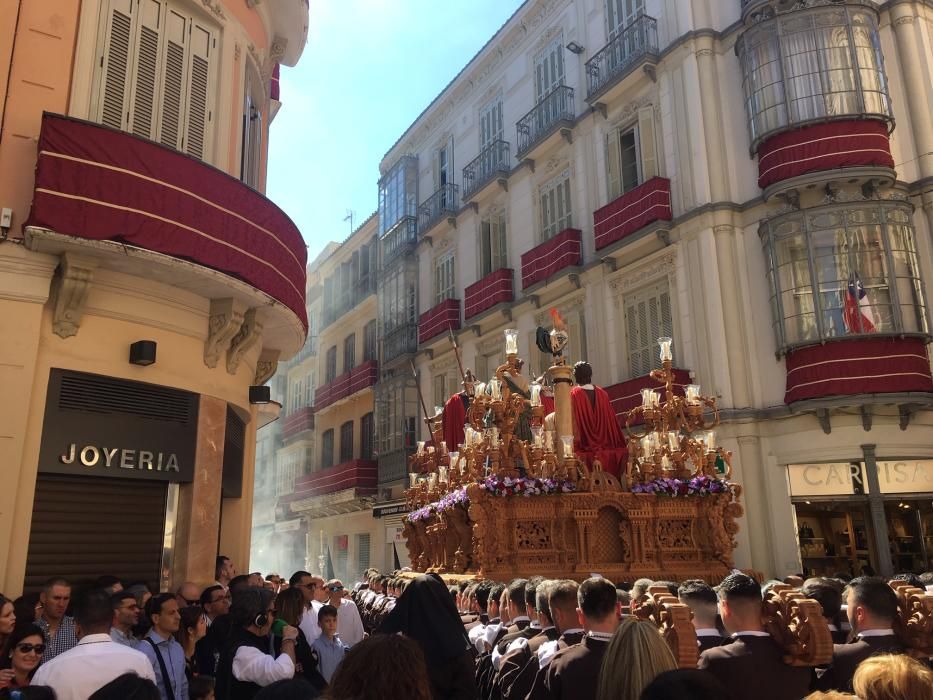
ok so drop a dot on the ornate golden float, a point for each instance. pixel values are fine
(514, 499)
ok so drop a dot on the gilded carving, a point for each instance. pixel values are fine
(69, 293)
(226, 317)
(249, 334)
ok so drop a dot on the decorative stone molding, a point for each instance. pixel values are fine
(907, 19)
(216, 7)
(630, 111)
(69, 293)
(248, 335)
(266, 366)
(226, 317)
(237, 51)
(276, 53)
(664, 265)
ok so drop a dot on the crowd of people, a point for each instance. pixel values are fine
(414, 637)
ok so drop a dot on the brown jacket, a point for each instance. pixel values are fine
(752, 668)
(573, 672)
(514, 662)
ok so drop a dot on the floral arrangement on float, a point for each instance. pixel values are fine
(697, 486)
(502, 487)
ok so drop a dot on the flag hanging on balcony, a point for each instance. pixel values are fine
(857, 313)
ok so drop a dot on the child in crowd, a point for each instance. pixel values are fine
(330, 650)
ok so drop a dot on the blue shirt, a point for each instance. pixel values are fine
(174, 658)
(330, 653)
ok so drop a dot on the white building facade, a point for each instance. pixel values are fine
(724, 172)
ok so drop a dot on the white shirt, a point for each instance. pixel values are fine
(876, 633)
(349, 624)
(93, 663)
(252, 665)
(308, 622)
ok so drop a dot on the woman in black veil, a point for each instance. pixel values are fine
(426, 614)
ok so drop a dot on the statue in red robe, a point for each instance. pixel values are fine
(597, 434)
(455, 411)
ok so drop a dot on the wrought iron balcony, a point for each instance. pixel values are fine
(349, 300)
(635, 43)
(554, 111)
(445, 202)
(493, 161)
(400, 341)
(400, 239)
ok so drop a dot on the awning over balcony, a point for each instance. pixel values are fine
(562, 251)
(360, 377)
(439, 319)
(840, 144)
(96, 183)
(493, 289)
(358, 474)
(858, 366)
(649, 202)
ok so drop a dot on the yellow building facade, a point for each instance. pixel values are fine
(146, 284)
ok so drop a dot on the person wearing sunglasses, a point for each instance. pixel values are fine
(349, 624)
(26, 645)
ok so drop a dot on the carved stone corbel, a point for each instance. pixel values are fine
(226, 317)
(266, 365)
(276, 53)
(248, 335)
(69, 293)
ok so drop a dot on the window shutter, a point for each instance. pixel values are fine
(647, 317)
(116, 63)
(647, 147)
(613, 164)
(148, 70)
(499, 254)
(176, 27)
(198, 107)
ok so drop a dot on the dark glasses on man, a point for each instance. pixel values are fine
(26, 648)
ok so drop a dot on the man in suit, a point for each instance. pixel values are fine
(521, 650)
(525, 632)
(701, 599)
(573, 672)
(752, 666)
(517, 613)
(872, 608)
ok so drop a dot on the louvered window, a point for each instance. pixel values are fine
(346, 442)
(362, 553)
(444, 278)
(155, 79)
(631, 154)
(647, 317)
(493, 244)
(556, 211)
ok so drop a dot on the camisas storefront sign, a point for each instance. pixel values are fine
(844, 479)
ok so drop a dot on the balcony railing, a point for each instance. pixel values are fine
(493, 289)
(556, 109)
(360, 377)
(400, 239)
(400, 341)
(345, 303)
(493, 161)
(439, 319)
(445, 202)
(623, 216)
(298, 422)
(358, 474)
(560, 252)
(616, 59)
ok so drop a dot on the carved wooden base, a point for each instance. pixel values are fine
(622, 536)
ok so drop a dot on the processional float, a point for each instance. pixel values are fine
(516, 499)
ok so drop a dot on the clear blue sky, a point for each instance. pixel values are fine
(369, 69)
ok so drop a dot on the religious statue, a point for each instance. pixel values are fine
(596, 433)
(455, 411)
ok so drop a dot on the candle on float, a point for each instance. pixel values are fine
(412, 480)
(646, 395)
(454, 458)
(438, 410)
(442, 474)
(710, 439)
(548, 441)
(537, 433)
(420, 447)
(495, 391)
(665, 462)
(567, 442)
(673, 440)
(646, 446)
(692, 392)
(535, 394)
(511, 341)
(443, 447)
(665, 345)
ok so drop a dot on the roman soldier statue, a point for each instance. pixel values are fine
(596, 433)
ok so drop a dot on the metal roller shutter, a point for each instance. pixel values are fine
(83, 528)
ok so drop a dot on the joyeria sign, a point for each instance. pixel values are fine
(98, 426)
